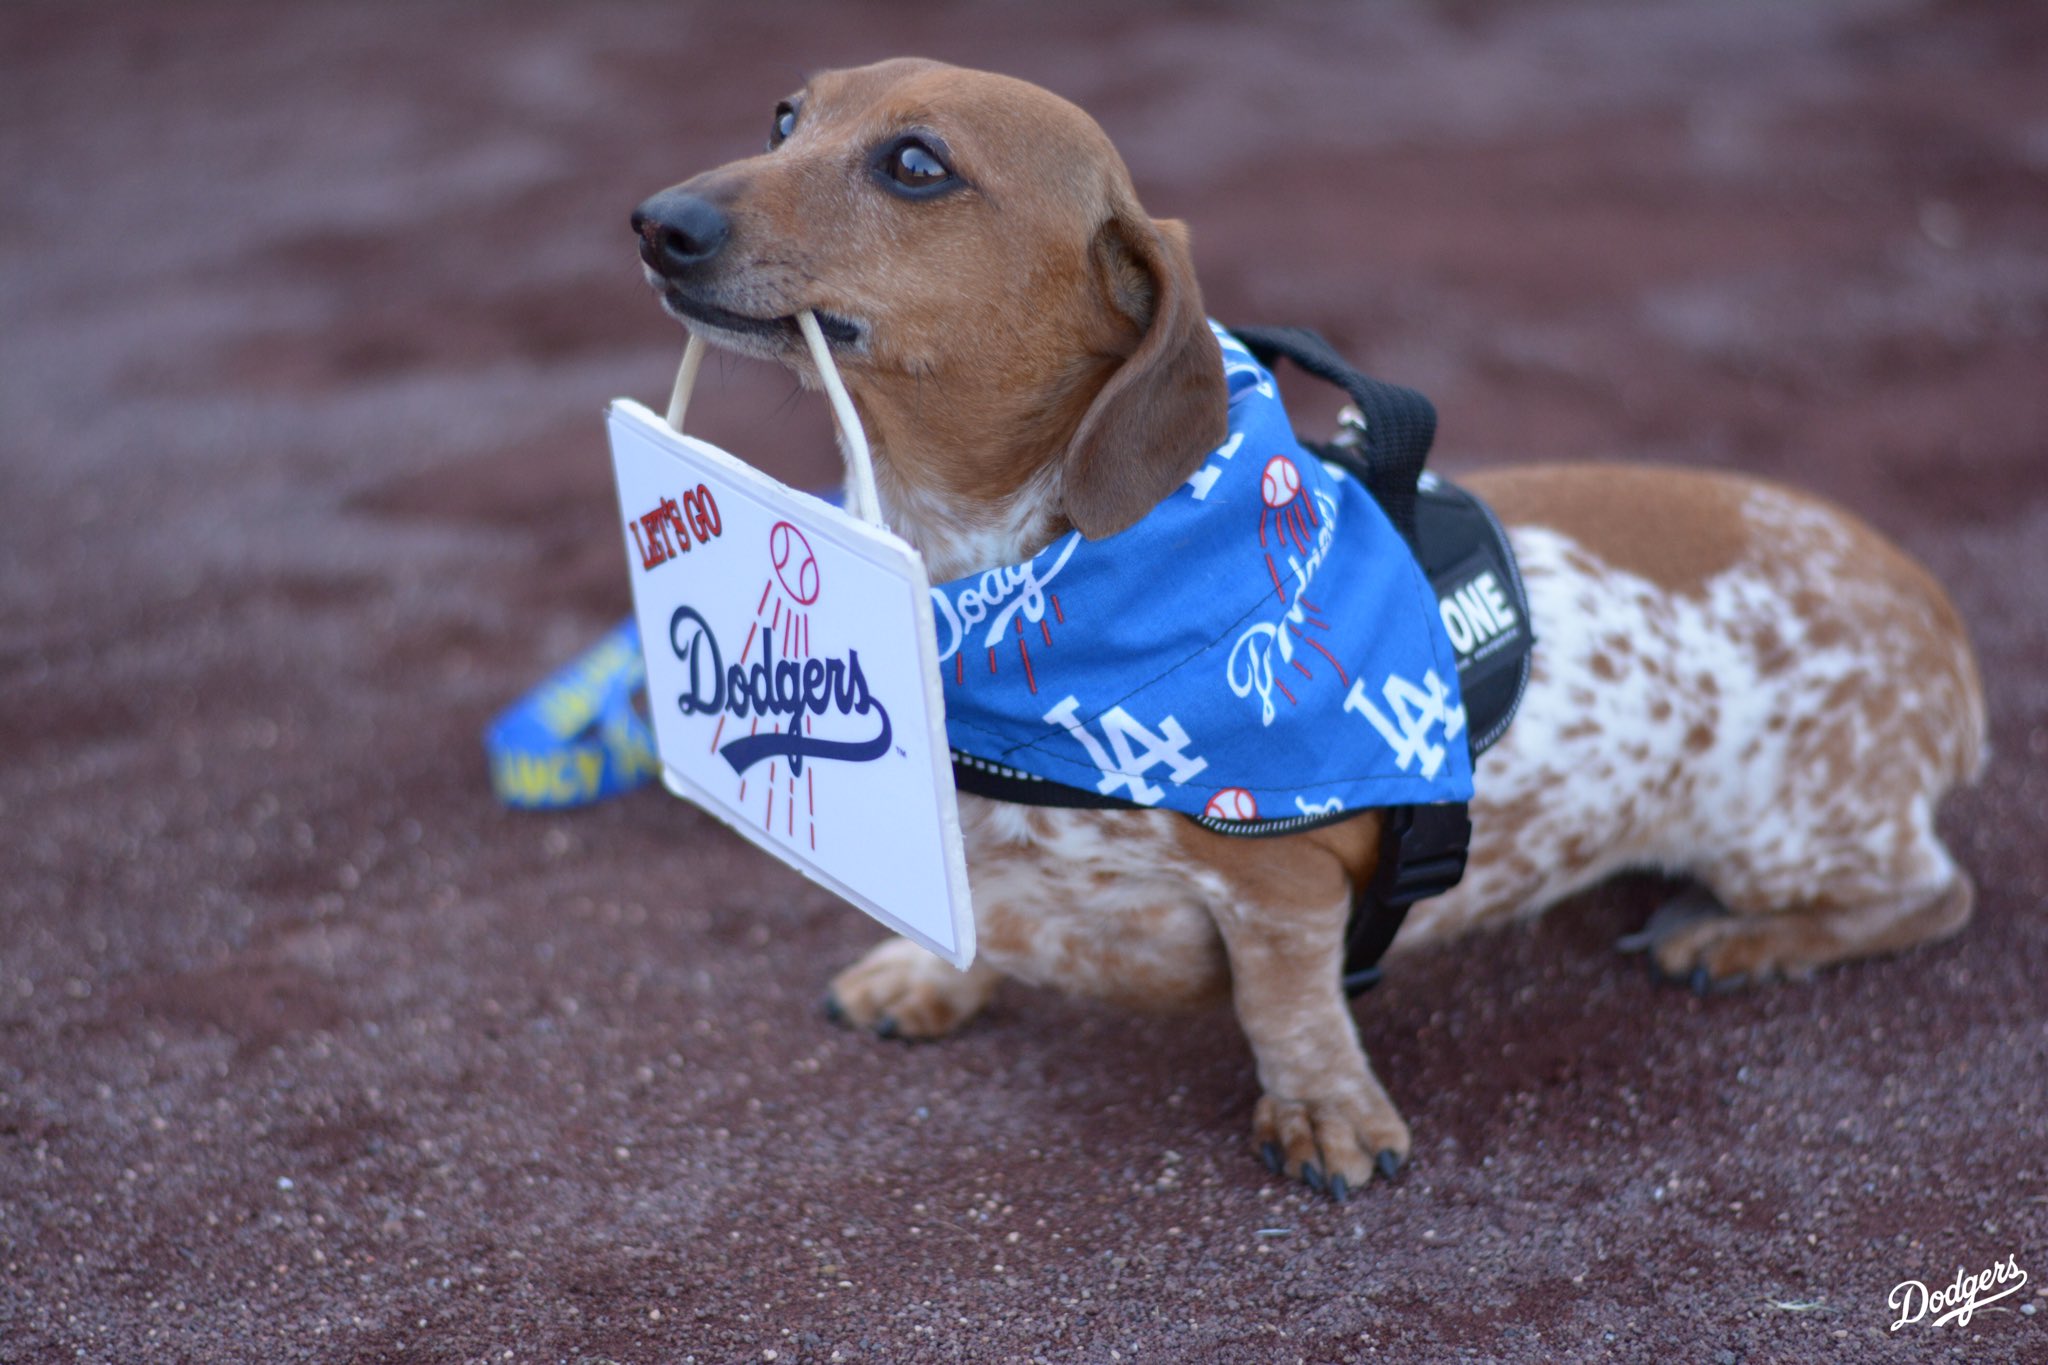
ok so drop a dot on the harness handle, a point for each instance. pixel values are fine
(1398, 424)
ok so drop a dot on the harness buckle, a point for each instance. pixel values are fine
(1422, 854)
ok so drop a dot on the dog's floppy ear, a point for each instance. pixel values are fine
(1167, 405)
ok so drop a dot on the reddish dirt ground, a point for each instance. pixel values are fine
(308, 1051)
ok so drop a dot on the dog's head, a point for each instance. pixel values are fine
(1004, 312)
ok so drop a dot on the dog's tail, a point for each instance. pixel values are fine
(1971, 747)
(1955, 705)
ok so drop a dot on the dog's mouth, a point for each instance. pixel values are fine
(687, 308)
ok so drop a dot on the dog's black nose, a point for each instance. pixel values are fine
(679, 230)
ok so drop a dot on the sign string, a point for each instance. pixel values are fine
(866, 501)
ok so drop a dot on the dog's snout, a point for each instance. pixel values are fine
(679, 230)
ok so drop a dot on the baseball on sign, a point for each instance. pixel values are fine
(1232, 803)
(1281, 482)
(795, 565)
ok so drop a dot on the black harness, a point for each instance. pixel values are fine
(1384, 442)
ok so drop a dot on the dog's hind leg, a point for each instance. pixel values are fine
(900, 990)
(1853, 903)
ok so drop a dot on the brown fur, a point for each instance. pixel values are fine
(1677, 534)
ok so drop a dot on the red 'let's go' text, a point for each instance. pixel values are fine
(666, 532)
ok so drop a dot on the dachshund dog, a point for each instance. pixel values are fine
(1732, 681)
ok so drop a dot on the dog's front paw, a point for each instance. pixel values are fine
(1334, 1145)
(900, 990)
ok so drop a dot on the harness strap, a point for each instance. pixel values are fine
(1399, 424)
(1422, 854)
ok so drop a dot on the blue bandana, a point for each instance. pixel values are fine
(1260, 651)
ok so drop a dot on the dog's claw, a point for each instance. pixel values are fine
(1701, 982)
(1312, 1176)
(1388, 1164)
(885, 1027)
(1340, 1189)
(1270, 1154)
(834, 1011)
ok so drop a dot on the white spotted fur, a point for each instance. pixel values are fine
(1558, 806)
(1631, 794)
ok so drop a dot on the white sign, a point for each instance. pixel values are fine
(793, 678)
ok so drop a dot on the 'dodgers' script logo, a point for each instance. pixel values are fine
(790, 692)
(1956, 1301)
(781, 688)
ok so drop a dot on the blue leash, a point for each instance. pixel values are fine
(577, 738)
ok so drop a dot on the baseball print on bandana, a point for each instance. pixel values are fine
(1260, 647)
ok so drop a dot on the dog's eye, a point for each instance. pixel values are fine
(915, 166)
(784, 125)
